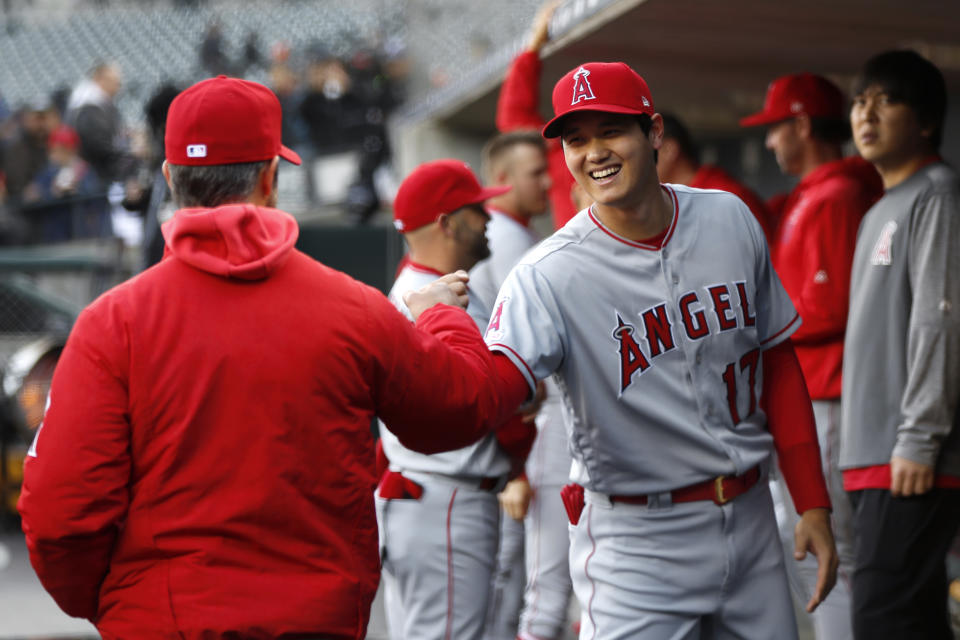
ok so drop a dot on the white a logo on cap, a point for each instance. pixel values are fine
(581, 87)
(196, 151)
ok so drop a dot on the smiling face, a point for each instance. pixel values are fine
(611, 157)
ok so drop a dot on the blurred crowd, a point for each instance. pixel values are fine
(71, 167)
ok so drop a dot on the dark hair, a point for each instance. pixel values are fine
(674, 130)
(500, 144)
(645, 122)
(830, 130)
(907, 77)
(214, 185)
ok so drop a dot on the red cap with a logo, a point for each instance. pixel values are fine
(225, 121)
(798, 94)
(435, 188)
(599, 86)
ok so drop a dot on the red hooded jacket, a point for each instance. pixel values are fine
(813, 254)
(205, 468)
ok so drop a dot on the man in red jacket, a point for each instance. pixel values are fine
(205, 468)
(813, 253)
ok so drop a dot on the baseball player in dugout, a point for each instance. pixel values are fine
(519, 159)
(678, 162)
(900, 441)
(439, 514)
(205, 467)
(668, 330)
(812, 253)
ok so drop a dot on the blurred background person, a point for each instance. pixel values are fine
(900, 445)
(812, 252)
(65, 177)
(678, 162)
(92, 112)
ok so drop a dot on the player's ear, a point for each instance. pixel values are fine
(656, 131)
(268, 177)
(444, 223)
(804, 126)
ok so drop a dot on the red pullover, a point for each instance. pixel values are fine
(813, 254)
(205, 468)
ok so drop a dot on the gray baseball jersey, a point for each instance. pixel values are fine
(656, 349)
(481, 459)
(439, 550)
(509, 240)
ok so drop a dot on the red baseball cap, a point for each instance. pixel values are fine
(598, 86)
(63, 136)
(225, 121)
(798, 94)
(435, 188)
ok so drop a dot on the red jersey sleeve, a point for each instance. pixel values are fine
(435, 383)
(791, 423)
(514, 436)
(75, 488)
(518, 106)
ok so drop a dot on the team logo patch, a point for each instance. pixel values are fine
(581, 87)
(631, 357)
(883, 251)
(196, 151)
(494, 332)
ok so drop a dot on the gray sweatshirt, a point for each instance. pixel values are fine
(901, 368)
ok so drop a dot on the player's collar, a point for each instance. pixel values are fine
(416, 266)
(650, 244)
(523, 222)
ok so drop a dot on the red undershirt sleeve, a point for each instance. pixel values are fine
(791, 422)
(514, 435)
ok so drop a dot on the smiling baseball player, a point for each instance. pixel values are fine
(667, 329)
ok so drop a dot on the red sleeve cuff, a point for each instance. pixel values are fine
(800, 466)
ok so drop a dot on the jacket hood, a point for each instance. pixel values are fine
(853, 167)
(241, 241)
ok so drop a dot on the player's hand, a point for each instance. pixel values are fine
(540, 32)
(451, 289)
(813, 534)
(515, 498)
(529, 410)
(909, 478)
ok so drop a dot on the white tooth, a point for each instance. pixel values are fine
(603, 173)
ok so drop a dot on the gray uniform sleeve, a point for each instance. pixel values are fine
(933, 337)
(777, 318)
(527, 326)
